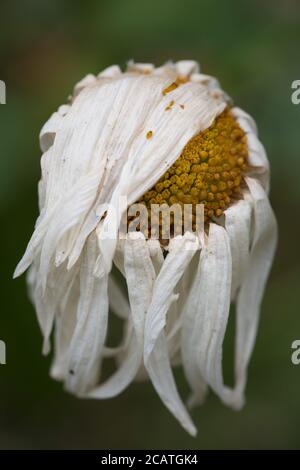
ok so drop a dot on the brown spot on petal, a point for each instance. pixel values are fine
(170, 105)
(170, 88)
(149, 135)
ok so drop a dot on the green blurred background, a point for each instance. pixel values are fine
(45, 47)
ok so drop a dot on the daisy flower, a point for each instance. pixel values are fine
(152, 136)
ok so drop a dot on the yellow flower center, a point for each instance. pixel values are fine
(209, 170)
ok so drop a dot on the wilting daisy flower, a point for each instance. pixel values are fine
(165, 135)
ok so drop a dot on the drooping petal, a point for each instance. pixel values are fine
(189, 341)
(50, 128)
(48, 302)
(258, 161)
(175, 316)
(74, 207)
(238, 225)
(156, 359)
(206, 318)
(140, 276)
(65, 323)
(156, 254)
(251, 293)
(86, 348)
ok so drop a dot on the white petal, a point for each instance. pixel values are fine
(140, 277)
(47, 303)
(211, 82)
(173, 331)
(237, 225)
(185, 68)
(257, 154)
(139, 67)
(247, 121)
(166, 70)
(65, 323)
(176, 312)
(88, 80)
(251, 293)
(155, 352)
(206, 317)
(85, 352)
(156, 254)
(212, 85)
(112, 71)
(50, 128)
(74, 207)
(189, 341)
(119, 256)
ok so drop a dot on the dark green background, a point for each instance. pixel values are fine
(45, 47)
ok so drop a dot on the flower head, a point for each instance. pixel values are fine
(153, 136)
